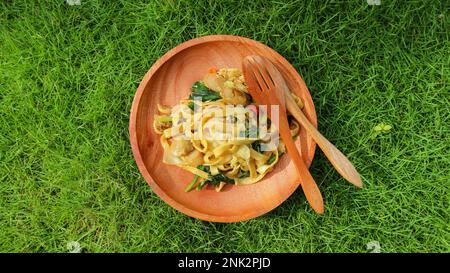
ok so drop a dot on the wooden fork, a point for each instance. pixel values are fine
(339, 161)
(263, 90)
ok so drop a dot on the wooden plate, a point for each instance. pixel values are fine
(168, 81)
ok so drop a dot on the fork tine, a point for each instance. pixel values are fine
(257, 87)
(263, 72)
(273, 72)
(259, 78)
(264, 96)
(253, 83)
(265, 66)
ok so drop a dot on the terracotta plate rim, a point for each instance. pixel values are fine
(134, 141)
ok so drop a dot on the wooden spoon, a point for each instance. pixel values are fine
(336, 157)
(263, 91)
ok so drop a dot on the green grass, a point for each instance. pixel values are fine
(67, 79)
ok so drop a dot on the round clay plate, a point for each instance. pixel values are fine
(169, 80)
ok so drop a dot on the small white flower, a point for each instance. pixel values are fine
(73, 2)
(374, 246)
(74, 247)
(374, 2)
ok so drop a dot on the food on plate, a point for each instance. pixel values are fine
(219, 134)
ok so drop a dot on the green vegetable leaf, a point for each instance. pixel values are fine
(200, 90)
(191, 105)
(194, 181)
(257, 146)
(200, 185)
(216, 179)
(244, 174)
(213, 179)
(191, 185)
(271, 159)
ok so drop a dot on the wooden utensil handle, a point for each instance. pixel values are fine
(336, 157)
(309, 186)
